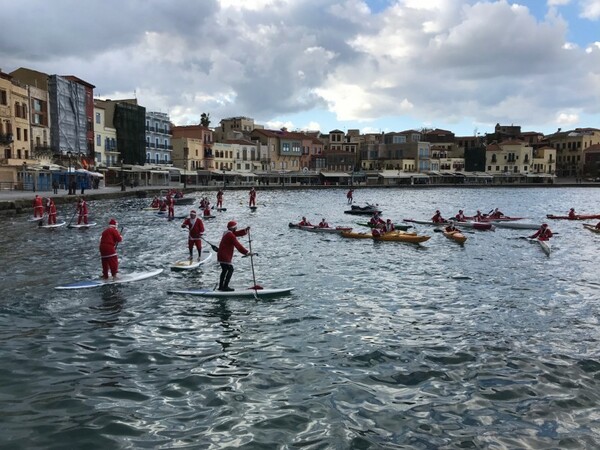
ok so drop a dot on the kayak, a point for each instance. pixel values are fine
(127, 278)
(544, 245)
(392, 236)
(455, 236)
(250, 292)
(577, 217)
(320, 229)
(397, 226)
(517, 225)
(189, 264)
(475, 225)
(591, 227)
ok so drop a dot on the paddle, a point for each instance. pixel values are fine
(72, 217)
(213, 246)
(255, 287)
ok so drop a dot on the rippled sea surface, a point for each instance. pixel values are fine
(381, 344)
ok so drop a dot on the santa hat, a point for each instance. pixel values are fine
(193, 211)
(231, 224)
(112, 222)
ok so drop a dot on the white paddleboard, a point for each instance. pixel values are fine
(186, 264)
(125, 278)
(35, 219)
(82, 225)
(54, 225)
(239, 293)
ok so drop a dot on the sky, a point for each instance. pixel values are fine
(372, 65)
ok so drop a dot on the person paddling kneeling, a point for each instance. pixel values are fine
(228, 243)
(543, 234)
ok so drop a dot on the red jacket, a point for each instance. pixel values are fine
(82, 208)
(196, 228)
(228, 243)
(542, 235)
(109, 240)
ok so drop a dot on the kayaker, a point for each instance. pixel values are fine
(598, 226)
(228, 243)
(437, 217)
(252, 199)
(38, 206)
(478, 217)
(378, 230)
(451, 227)
(305, 223)
(206, 211)
(375, 220)
(108, 249)
(496, 214)
(196, 228)
(543, 234)
(572, 214)
(155, 203)
(349, 196)
(389, 226)
(323, 223)
(82, 210)
(460, 216)
(220, 199)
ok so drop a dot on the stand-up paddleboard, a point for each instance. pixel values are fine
(150, 208)
(221, 209)
(237, 293)
(253, 208)
(125, 278)
(207, 217)
(54, 225)
(35, 219)
(188, 264)
(82, 225)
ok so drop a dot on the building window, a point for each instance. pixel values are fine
(3, 98)
(25, 135)
(98, 140)
(18, 134)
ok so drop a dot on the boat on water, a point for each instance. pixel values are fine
(576, 217)
(476, 225)
(367, 210)
(391, 236)
(397, 226)
(316, 229)
(544, 245)
(455, 236)
(591, 227)
(517, 225)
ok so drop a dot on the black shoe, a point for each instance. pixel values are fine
(228, 289)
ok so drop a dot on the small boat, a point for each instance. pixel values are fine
(316, 229)
(397, 226)
(577, 217)
(367, 210)
(392, 236)
(591, 227)
(476, 225)
(455, 236)
(250, 292)
(517, 225)
(544, 245)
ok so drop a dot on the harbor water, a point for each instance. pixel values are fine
(490, 344)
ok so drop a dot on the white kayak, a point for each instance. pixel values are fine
(544, 245)
(54, 225)
(125, 278)
(188, 264)
(82, 225)
(517, 225)
(239, 293)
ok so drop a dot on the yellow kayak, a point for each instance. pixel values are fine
(394, 236)
(455, 236)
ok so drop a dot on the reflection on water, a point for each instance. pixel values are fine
(381, 345)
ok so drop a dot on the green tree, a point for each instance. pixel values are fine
(205, 119)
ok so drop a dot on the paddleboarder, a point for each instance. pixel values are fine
(38, 206)
(196, 229)
(220, 199)
(82, 211)
(170, 207)
(51, 208)
(228, 243)
(108, 249)
(543, 234)
(350, 196)
(252, 194)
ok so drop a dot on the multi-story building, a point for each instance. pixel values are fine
(39, 106)
(544, 161)
(159, 149)
(341, 150)
(106, 152)
(512, 157)
(570, 146)
(235, 128)
(202, 144)
(89, 117)
(591, 162)
(283, 148)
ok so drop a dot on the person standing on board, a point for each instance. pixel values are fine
(170, 207)
(349, 196)
(252, 201)
(38, 207)
(108, 249)
(196, 228)
(220, 199)
(543, 234)
(82, 210)
(51, 208)
(228, 243)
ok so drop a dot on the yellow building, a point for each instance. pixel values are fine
(511, 157)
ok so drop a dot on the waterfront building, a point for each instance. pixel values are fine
(570, 146)
(193, 151)
(543, 164)
(511, 159)
(238, 127)
(591, 162)
(158, 138)
(106, 152)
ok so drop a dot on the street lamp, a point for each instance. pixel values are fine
(122, 177)
(185, 165)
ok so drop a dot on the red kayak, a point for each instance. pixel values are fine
(577, 217)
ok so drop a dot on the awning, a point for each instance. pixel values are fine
(335, 175)
(396, 174)
(164, 172)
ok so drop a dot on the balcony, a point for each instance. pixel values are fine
(6, 138)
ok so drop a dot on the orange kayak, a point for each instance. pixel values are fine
(394, 236)
(456, 236)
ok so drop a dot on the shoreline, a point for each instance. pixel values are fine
(13, 203)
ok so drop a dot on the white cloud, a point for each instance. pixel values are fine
(590, 9)
(567, 119)
(558, 2)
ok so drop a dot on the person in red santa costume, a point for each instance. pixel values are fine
(252, 200)
(38, 206)
(82, 210)
(228, 243)
(170, 207)
(51, 208)
(108, 249)
(196, 228)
